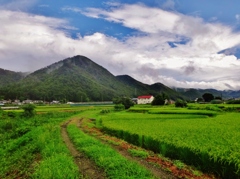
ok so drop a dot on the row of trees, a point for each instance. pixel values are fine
(160, 99)
(208, 97)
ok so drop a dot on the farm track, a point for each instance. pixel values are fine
(156, 165)
(86, 167)
(156, 171)
(89, 169)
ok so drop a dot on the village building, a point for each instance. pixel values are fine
(146, 99)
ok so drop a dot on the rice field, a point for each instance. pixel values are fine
(205, 136)
(210, 142)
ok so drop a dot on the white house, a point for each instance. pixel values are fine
(147, 99)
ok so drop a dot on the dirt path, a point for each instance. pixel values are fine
(160, 168)
(86, 167)
(156, 171)
(90, 170)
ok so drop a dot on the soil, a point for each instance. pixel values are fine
(86, 167)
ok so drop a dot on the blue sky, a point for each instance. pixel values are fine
(180, 43)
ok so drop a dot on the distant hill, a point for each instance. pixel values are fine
(73, 79)
(192, 94)
(78, 79)
(8, 77)
(154, 89)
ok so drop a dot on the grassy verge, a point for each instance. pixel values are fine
(33, 148)
(105, 157)
(56, 160)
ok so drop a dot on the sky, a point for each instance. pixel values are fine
(180, 43)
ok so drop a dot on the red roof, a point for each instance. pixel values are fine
(145, 97)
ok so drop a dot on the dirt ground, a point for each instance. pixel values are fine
(86, 167)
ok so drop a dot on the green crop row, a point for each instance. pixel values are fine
(184, 111)
(170, 110)
(105, 157)
(56, 159)
(211, 144)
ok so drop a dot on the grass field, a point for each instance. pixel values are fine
(206, 136)
(210, 143)
(33, 148)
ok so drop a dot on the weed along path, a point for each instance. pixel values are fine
(123, 151)
(113, 157)
(160, 167)
(86, 167)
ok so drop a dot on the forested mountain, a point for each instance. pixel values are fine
(7, 77)
(73, 79)
(80, 79)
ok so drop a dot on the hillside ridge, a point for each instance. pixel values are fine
(79, 78)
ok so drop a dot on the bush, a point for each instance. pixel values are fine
(29, 110)
(119, 107)
(158, 100)
(216, 101)
(11, 114)
(233, 102)
(180, 103)
(104, 111)
(126, 102)
(208, 97)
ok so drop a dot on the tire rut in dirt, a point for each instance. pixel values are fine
(86, 167)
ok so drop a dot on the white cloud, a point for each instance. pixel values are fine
(205, 36)
(29, 42)
(18, 5)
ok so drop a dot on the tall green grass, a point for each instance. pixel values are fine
(112, 162)
(209, 143)
(56, 160)
(33, 148)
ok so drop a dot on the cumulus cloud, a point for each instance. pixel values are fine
(34, 41)
(211, 36)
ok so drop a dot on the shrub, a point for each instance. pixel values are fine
(158, 100)
(208, 97)
(216, 101)
(29, 110)
(138, 153)
(233, 102)
(126, 102)
(104, 111)
(119, 107)
(180, 103)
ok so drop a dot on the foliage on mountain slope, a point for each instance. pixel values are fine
(80, 79)
(7, 77)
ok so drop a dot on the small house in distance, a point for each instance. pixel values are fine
(146, 99)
